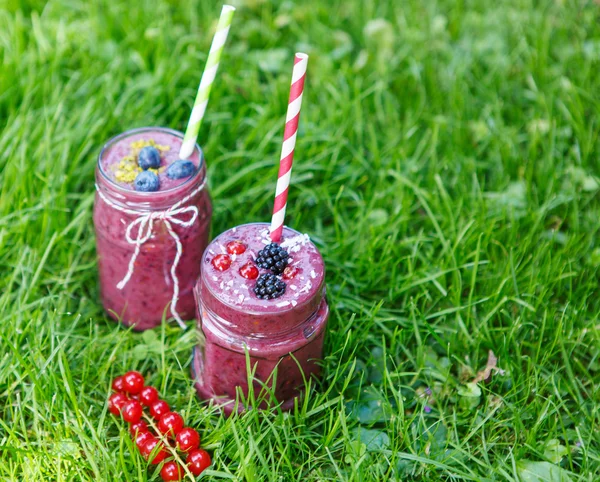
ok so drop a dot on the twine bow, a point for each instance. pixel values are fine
(145, 225)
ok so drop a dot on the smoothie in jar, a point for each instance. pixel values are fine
(280, 323)
(152, 216)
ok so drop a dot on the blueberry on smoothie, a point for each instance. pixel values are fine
(180, 169)
(146, 181)
(149, 158)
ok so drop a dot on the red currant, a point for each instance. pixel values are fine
(159, 408)
(171, 471)
(170, 424)
(132, 412)
(221, 262)
(188, 439)
(197, 461)
(148, 396)
(235, 247)
(249, 271)
(138, 427)
(133, 382)
(153, 446)
(116, 402)
(290, 271)
(141, 438)
(117, 385)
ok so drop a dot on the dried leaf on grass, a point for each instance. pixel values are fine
(486, 374)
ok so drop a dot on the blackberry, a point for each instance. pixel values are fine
(268, 286)
(273, 257)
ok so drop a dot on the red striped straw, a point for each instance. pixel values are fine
(289, 144)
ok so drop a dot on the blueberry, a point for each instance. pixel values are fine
(180, 169)
(146, 181)
(149, 158)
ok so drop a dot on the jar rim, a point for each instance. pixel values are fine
(319, 291)
(113, 140)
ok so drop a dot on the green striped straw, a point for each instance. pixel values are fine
(208, 77)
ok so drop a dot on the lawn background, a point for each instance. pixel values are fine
(446, 168)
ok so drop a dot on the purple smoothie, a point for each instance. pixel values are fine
(286, 332)
(148, 293)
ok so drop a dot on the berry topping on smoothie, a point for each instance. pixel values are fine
(273, 257)
(268, 286)
(155, 152)
(146, 181)
(236, 247)
(290, 272)
(221, 262)
(235, 285)
(181, 169)
(133, 158)
(149, 158)
(249, 271)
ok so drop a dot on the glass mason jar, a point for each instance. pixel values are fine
(282, 337)
(147, 227)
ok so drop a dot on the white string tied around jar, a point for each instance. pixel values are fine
(145, 224)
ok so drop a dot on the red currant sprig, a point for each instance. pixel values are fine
(129, 400)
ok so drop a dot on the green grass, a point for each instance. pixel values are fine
(446, 168)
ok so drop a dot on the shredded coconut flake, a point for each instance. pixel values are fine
(230, 282)
(211, 251)
(215, 278)
(234, 229)
(294, 244)
(282, 304)
(222, 285)
(294, 302)
(306, 288)
(294, 287)
(241, 298)
(299, 239)
(313, 275)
